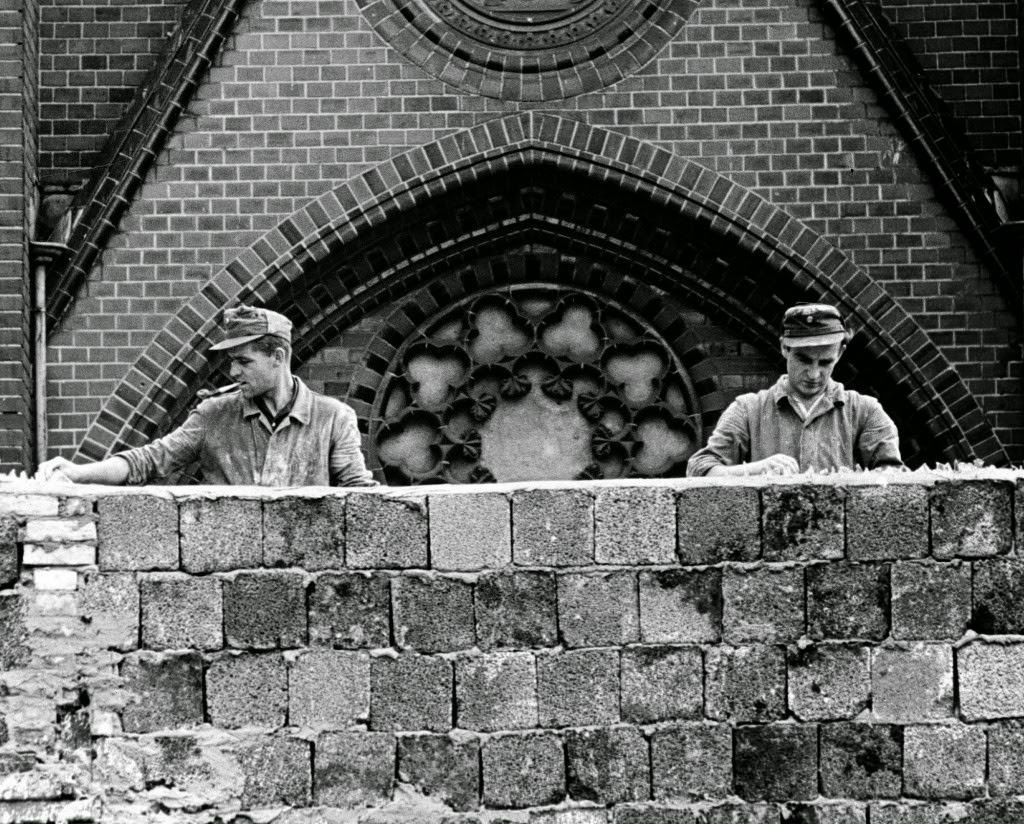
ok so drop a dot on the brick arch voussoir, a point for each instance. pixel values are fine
(173, 366)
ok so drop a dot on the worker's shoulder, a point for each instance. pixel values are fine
(326, 404)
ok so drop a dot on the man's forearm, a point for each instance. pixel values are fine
(112, 471)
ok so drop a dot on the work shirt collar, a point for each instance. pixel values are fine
(301, 409)
(835, 393)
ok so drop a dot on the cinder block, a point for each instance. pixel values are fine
(110, 606)
(9, 570)
(470, 531)
(718, 523)
(991, 680)
(1006, 759)
(887, 522)
(827, 813)
(681, 606)
(634, 525)
(523, 770)
(442, 767)
(640, 813)
(385, 533)
(970, 519)
(221, 534)
(691, 762)
(265, 610)
(607, 765)
(350, 611)
(14, 651)
(944, 761)
(411, 692)
(744, 684)
(743, 814)
(802, 522)
(137, 532)
(912, 683)
(998, 597)
(246, 689)
(516, 610)
(661, 684)
(762, 605)
(861, 761)
(181, 611)
(847, 601)
(353, 770)
(829, 681)
(578, 687)
(329, 689)
(277, 772)
(776, 762)
(496, 692)
(165, 691)
(433, 614)
(598, 609)
(916, 812)
(930, 601)
(553, 527)
(304, 532)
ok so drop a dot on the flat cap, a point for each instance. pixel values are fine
(812, 324)
(244, 324)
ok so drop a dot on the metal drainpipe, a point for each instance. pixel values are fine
(42, 254)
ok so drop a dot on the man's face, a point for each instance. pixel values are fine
(255, 372)
(810, 367)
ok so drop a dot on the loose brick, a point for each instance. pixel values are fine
(221, 534)
(433, 614)
(829, 681)
(350, 611)
(553, 527)
(181, 611)
(304, 532)
(762, 605)
(137, 532)
(578, 687)
(776, 762)
(661, 684)
(345, 701)
(930, 601)
(277, 773)
(411, 692)
(634, 525)
(970, 519)
(496, 692)
(943, 762)
(110, 605)
(265, 610)
(887, 522)
(598, 609)
(1006, 759)
(862, 761)
(681, 606)
(165, 691)
(9, 569)
(607, 765)
(745, 683)
(443, 768)
(353, 769)
(247, 690)
(998, 597)
(802, 522)
(523, 770)
(718, 523)
(848, 601)
(991, 680)
(912, 683)
(516, 610)
(470, 531)
(385, 533)
(691, 762)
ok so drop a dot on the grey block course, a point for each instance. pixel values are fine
(523, 770)
(998, 605)
(329, 689)
(385, 533)
(137, 532)
(165, 691)
(353, 770)
(944, 761)
(718, 523)
(411, 692)
(14, 652)
(887, 522)
(991, 680)
(516, 610)
(110, 605)
(763, 605)
(181, 611)
(497, 691)
(433, 614)
(598, 609)
(578, 687)
(776, 762)
(802, 522)
(350, 611)
(304, 532)
(470, 531)
(442, 767)
(681, 606)
(247, 689)
(221, 534)
(608, 765)
(265, 610)
(745, 684)
(862, 761)
(661, 684)
(655, 814)
(930, 601)
(912, 682)
(829, 681)
(9, 568)
(691, 762)
(553, 527)
(634, 525)
(1006, 759)
(847, 601)
(970, 519)
(277, 773)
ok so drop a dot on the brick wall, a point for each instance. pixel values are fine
(580, 652)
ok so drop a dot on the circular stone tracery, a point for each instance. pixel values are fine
(530, 383)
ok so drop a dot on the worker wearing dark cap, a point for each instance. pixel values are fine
(806, 421)
(268, 429)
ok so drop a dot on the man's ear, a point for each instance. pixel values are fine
(280, 355)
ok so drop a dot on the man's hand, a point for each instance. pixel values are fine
(57, 469)
(777, 464)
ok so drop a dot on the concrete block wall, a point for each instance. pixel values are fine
(837, 649)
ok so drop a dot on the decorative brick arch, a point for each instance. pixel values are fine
(697, 233)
